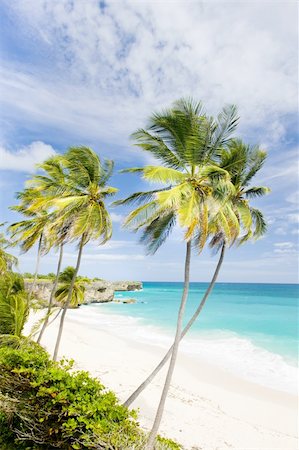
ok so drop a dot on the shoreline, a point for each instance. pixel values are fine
(227, 350)
(207, 408)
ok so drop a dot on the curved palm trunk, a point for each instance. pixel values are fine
(161, 364)
(51, 296)
(39, 250)
(69, 297)
(55, 317)
(157, 421)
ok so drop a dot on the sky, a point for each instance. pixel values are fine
(87, 72)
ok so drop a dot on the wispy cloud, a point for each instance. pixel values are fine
(107, 67)
(82, 73)
(25, 159)
(106, 257)
(118, 218)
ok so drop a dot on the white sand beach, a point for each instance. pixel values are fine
(207, 409)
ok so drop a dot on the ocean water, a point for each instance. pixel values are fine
(250, 329)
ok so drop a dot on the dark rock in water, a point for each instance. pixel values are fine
(95, 291)
(130, 300)
(125, 300)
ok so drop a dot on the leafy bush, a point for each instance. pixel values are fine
(48, 405)
(14, 304)
(40, 276)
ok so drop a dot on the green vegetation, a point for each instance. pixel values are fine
(45, 404)
(29, 276)
(14, 304)
(65, 279)
(7, 261)
(51, 277)
(48, 405)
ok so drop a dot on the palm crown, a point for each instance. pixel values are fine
(189, 144)
(77, 199)
(65, 279)
(243, 162)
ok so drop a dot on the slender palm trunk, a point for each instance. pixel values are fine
(69, 297)
(52, 295)
(55, 317)
(152, 437)
(39, 250)
(161, 364)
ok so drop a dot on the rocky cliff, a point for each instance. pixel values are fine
(95, 292)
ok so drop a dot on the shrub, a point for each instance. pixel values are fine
(14, 304)
(48, 405)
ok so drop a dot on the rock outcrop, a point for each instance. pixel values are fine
(95, 291)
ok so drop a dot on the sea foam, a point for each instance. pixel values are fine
(227, 350)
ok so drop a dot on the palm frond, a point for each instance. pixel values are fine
(156, 233)
(260, 225)
(157, 147)
(14, 304)
(139, 197)
(226, 124)
(256, 161)
(165, 175)
(142, 215)
(256, 191)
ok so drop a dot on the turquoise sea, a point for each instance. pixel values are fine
(251, 329)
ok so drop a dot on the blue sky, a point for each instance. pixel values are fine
(88, 72)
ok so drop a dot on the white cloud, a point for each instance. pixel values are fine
(284, 244)
(286, 251)
(106, 257)
(107, 69)
(25, 159)
(284, 247)
(293, 197)
(111, 245)
(293, 218)
(282, 170)
(280, 231)
(118, 218)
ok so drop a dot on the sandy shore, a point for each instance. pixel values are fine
(208, 408)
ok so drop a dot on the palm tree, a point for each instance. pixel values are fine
(29, 232)
(81, 204)
(33, 204)
(14, 304)
(65, 278)
(242, 162)
(7, 261)
(32, 230)
(188, 143)
(53, 182)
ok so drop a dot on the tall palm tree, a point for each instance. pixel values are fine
(81, 204)
(65, 279)
(189, 144)
(242, 162)
(14, 304)
(32, 230)
(53, 182)
(37, 228)
(29, 232)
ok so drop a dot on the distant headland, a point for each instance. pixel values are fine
(98, 291)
